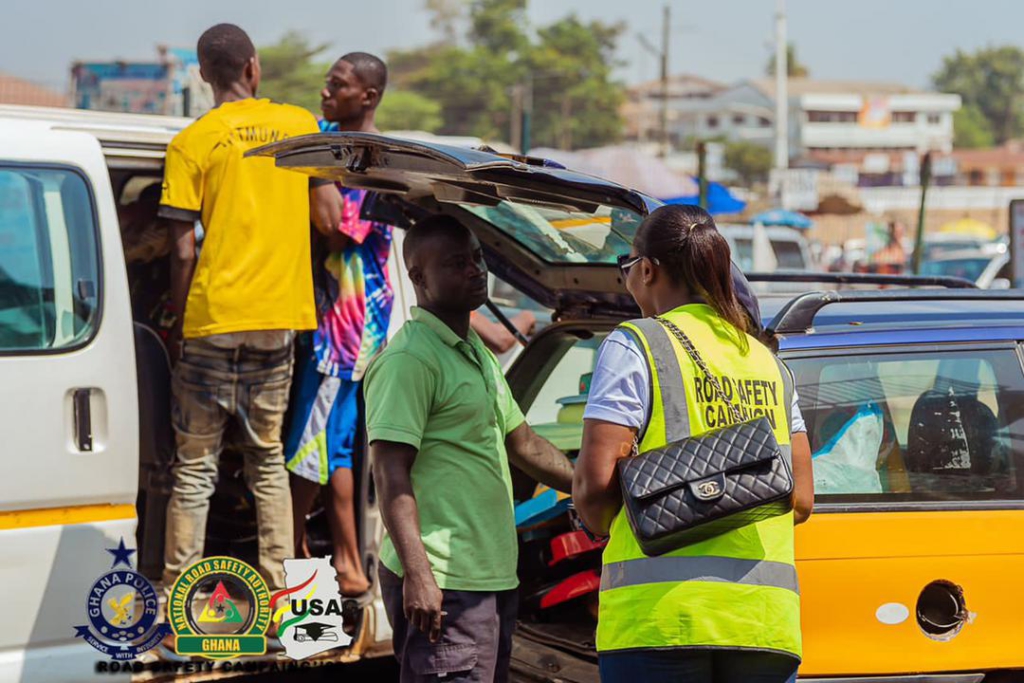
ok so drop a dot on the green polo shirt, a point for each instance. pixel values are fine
(447, 397)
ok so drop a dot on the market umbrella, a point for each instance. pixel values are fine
(970, 226)
(790, 219)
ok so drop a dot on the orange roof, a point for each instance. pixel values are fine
(1010, 154)
(18, 91)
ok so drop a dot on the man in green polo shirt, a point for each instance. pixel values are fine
(443, 427)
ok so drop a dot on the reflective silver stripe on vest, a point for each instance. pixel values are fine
(717, 569)
(670, 378)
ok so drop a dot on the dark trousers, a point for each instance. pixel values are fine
(476, 636)
(697, 666)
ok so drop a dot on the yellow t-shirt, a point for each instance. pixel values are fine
(254, 266)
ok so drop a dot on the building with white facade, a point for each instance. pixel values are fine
(830, 122)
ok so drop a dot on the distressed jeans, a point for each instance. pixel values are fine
(210, 386)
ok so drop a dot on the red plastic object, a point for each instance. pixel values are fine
(573, 587)
(572, 544)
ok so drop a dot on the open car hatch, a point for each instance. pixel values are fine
(550, 232)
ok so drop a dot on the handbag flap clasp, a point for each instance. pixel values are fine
(708, 489)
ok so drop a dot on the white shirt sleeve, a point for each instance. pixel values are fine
(620, 387)
(796, 416)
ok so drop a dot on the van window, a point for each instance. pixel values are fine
(49, 265)
(938, 426)
(788, 255)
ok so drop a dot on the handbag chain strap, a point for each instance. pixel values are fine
(691, 350)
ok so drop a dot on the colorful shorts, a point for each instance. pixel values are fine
(324, 423)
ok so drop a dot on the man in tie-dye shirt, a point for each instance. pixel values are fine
(354, 298)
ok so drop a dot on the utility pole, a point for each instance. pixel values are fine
(781, 89)
(662, 55)
(527, 114)
(565, 139)
(702, 175)
(926, 179)
(516, 122)
(666, 29)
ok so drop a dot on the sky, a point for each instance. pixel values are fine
(726, 40)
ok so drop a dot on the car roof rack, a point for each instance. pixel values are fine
(864, 279)
(797, 316)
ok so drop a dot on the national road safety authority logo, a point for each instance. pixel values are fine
(122, 608)
(219, 608)
(309, 610)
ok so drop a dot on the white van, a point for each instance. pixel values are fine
(84, 407)
(788, 245)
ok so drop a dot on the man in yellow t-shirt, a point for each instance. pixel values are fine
(239, 302)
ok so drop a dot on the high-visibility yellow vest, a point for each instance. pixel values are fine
(736, 590)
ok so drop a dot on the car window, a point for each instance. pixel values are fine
(49, 266)
(788, 255)
(967, 268)
(557, 411)
(743, 254)
(937, 426)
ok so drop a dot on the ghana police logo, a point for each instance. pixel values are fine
(122, 608)
(219, 608)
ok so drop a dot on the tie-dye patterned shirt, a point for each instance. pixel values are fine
(354, 294)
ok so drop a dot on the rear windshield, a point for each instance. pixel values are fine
(920, 427)
(563, 235)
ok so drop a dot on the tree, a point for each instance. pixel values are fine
(990, 80)
(497, 26)
(749, 160)
(290, 72)
(794, 69)
(472, 86)
(576, 102)
(444, 18)
(568, 64)
(404, 110)
(971, 128)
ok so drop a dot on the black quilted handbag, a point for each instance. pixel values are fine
(703, 486)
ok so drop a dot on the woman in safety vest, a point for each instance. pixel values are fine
(728, 608)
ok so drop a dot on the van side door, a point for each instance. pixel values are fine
(68, 403)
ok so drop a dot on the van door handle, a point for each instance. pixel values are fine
(83, 419)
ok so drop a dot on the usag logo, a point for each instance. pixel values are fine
(309, 609)
(122, 609)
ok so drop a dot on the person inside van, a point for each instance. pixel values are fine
(726, 609)
(147, 247)
(239, 304)
(443, 427)
(354, 299)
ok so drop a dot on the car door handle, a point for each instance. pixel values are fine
(83, 419)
